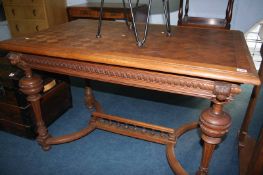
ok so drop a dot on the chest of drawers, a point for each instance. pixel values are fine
(28, 16)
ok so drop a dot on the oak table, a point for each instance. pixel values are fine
(204, 63)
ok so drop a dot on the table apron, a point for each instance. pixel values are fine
(164, 82)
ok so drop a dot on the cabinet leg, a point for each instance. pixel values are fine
(214, 124)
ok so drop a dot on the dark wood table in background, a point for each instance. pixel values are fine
(112, 11)
(203, 63)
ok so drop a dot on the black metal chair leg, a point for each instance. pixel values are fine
(166, 9)
(140, 43)
(100, 19)
(125, 15)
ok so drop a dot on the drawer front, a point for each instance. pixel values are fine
(83, 12)
(113, 15)
(13, 97)
(14, 12)
(30, 2)
(8, 2)
(23, 2)
(15, 113)
(16, 28)
(33, 2)
(95, 12)
(23, 130)
(34, 12)
(23, 27)
(35, 26)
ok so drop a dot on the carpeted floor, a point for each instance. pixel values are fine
(105, 153)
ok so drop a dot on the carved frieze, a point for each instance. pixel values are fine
(133, 77)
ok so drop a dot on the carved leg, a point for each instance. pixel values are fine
(41, 128)
(31, 86)
(214, 124)
(90, 100)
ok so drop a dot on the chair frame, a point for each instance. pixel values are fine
(205, 22)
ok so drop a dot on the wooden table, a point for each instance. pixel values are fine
(204, 63)
(112, 11)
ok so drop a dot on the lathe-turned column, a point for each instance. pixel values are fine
(214, 124)
(32, 86)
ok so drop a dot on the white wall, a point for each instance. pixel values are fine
(247, 13)
(73, 2)
(210, 8)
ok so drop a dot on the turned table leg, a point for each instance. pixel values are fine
(90, 100)
(31, 86)
(89, 97)
(214, 124)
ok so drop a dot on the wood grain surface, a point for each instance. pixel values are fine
(213, 54)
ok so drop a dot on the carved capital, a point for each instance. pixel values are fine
(222, 90)
(16, 59)
(29, 85)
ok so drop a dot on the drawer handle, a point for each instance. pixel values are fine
(17, 28)
(13, 12)
(37, 28)
(34, 12)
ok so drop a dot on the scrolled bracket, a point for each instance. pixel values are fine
(16, 59)
(224, 92)
(29, 85)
